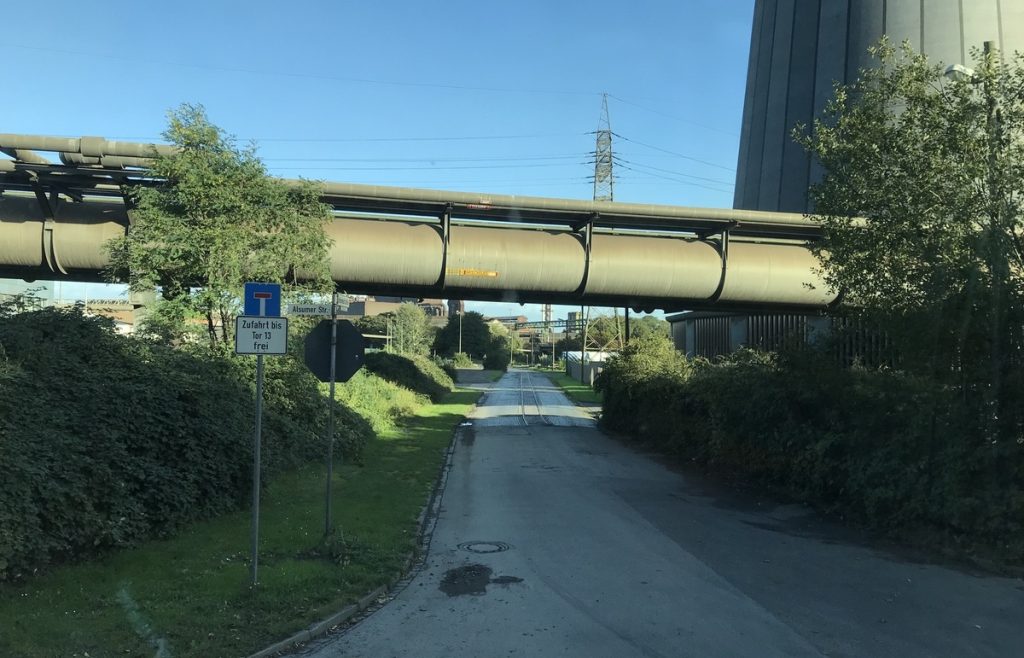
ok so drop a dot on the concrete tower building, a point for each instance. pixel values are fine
(798, 48)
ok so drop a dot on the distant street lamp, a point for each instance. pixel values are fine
(460, 331)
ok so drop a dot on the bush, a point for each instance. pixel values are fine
(497, 356)
(380, 402)
(462, 360)
(448, 366)
(106, 440)
(885, 449)
(417, 373)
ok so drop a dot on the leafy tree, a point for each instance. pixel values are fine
(411, 331)
(475, 335)
(648, 326)
(373, 324)
(215, 220)
(501, 344)
(605, 331)
(921, 207)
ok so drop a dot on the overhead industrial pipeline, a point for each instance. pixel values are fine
(56, 219)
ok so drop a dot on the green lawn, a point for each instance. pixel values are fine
(190, 594)
(576, 391)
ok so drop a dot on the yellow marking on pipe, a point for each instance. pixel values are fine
(472, 271)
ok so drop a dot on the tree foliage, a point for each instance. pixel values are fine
(411, 331)
(649, 326)
(106, 440)
(861, 443)
(415, 372)
(476, 337)
(921, 206)
(214, 220)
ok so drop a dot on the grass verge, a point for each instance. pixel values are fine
(189, 595)
(576, 391)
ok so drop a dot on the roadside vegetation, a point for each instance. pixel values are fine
(468, 338)
(127, 461)
(881, 449)
(188, 593)
(106, 441)
(574, 389)
(921, 203)
(417, 373)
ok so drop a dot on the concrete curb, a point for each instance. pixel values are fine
(428, 515)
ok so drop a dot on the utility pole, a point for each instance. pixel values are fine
(604, 190)
(546, 315)
(998, 264)
(604, 179)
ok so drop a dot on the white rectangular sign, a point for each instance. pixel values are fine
(309, 309)
(256, 335)
(314, 309)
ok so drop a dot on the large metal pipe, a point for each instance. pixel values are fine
(514, 263)
(117, 154)
(471, 245)
(96, 147)
(25, 155)
(78, 235)
(403, 195)
(106, 161)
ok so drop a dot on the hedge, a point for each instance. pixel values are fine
(886, 450)
(417, 373)
(106, 440)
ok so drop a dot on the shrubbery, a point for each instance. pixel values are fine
(417, 373)
(888, 450)
(381, 402)
(105, 440)
(462, 360)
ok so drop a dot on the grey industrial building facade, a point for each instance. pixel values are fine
(799, 48)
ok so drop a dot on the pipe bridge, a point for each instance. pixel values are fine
(55, 219)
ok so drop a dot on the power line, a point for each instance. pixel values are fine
(672, 116)
(674, 173)
(428, 159)
(674, 180)
(445, 168)
(446, 138)
(304, 76)
(675, 153)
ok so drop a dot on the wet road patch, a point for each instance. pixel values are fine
(485, 546)
(472, 579)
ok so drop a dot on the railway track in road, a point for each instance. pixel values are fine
(525, 377)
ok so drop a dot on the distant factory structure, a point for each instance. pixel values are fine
(798, 50)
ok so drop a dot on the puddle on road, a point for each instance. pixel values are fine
(472, 579)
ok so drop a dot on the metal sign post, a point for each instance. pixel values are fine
(259, 331)
(254, 536)
(330, 413)
(333, 352)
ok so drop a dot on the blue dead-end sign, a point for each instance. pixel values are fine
(262, 299)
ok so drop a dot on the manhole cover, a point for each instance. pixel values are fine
(484, 546)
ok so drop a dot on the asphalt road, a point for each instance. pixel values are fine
(555, 540)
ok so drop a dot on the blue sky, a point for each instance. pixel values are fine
(473, 96)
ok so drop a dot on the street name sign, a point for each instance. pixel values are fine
(319, 309)
(261, 335)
